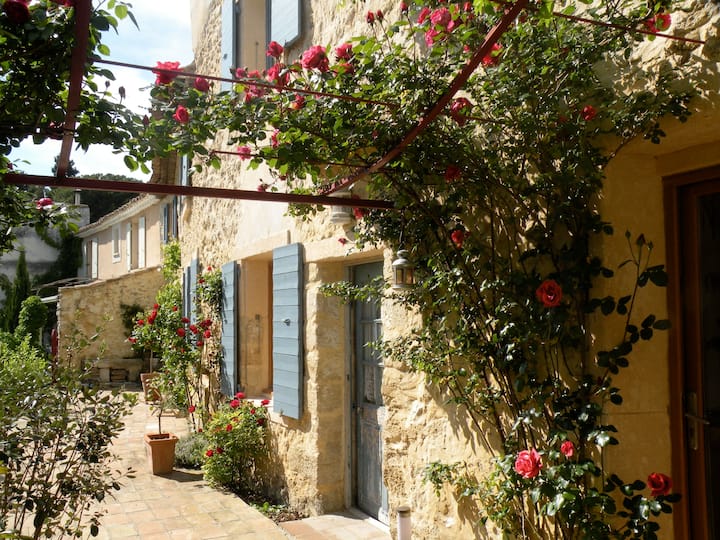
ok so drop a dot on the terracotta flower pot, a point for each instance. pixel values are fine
(160, 450)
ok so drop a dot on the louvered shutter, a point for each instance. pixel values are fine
(189, 286)
(228, 370)
(288, 325)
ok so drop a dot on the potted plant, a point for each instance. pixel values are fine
(160, 446)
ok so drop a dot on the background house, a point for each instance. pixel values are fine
(122, 255)
(350, 429)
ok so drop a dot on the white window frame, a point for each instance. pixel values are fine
(116, 243)
(94, 258)
(128, 246)
(142, 243)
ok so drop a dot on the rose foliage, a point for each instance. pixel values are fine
(516, 164)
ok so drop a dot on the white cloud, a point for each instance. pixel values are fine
(164, 35)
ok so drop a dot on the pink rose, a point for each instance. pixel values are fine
(181, 115)
(234, 404)
(315, 58)
(240, 395)
(299, 102)
(274, 49)
(274, 138)
(244, 152)
(528, 463)
(659, 484)
(241, 73)
(441, 17)
(423, 15)
(201, 84)
(567, 449)
(549, 293)
(169, 72)
(276, 75)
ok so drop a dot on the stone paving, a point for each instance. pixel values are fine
(181, 505)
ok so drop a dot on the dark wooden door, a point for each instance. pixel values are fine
(698, 222)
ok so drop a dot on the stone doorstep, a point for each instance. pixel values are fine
(105, 365)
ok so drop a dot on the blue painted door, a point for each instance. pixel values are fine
(371, 493)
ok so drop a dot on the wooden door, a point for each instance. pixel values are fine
(695, 293)
(371, 494)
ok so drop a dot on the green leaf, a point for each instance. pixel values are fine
(662, 324)
(121, 11)
(130, 163)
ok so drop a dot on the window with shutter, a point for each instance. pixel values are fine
(284, 21)
(229, 339)
(288, 327)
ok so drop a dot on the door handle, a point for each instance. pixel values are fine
(694, 421)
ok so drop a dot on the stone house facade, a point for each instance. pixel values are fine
(122, 254)
(350, 429)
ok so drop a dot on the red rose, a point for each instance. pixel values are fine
(228, 427)
(132, 340)
(201, 84)
(458, 237)
(459, 108)
(379, 15)
(185, 320)
(567, 449)
(169, 72)
(453, 172)
(493, 57)
(234, 404)
(260, 421)
(181, 114)
(528, 463)
(370, 17)
(315, 58)
(343, 240)
(299, 102)
(358, 213)
(17, 11)
(200, 343)
(191, 409)
(403, 8)
(659, 484)
(140, 322)
(207, 334)
(244, 152)
(219, 450)
(240, 395)
(43, 203)
(549, 293)
(274, 49)
(193, 328)
(209, 453)
(265, 402)
(588, 113)
(174, 308)
(344, 51)
(180, 332)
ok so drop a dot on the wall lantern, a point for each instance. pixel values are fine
(403, 272)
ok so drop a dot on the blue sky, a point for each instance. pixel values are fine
(164, 35)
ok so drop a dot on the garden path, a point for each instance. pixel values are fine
(181, 506)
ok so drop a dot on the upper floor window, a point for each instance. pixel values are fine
(249, 25)
(116, 243)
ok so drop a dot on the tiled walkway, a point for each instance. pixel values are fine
(182, 506)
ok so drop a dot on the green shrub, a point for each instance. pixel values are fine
(190, 450)
(55, 434)
(236, 437)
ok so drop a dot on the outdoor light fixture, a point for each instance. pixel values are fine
(403, 272)
(341, 215)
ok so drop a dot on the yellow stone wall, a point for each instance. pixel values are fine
(97, 304)
(309, 462)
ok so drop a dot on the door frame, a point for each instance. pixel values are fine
(672, 187)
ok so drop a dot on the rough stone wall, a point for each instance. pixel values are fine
(86, 308)
(309, 459)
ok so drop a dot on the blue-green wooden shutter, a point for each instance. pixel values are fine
(228, 368)
(186, 292)
(288, 325)
(192, 279)
(284, 21)
(227, 41)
